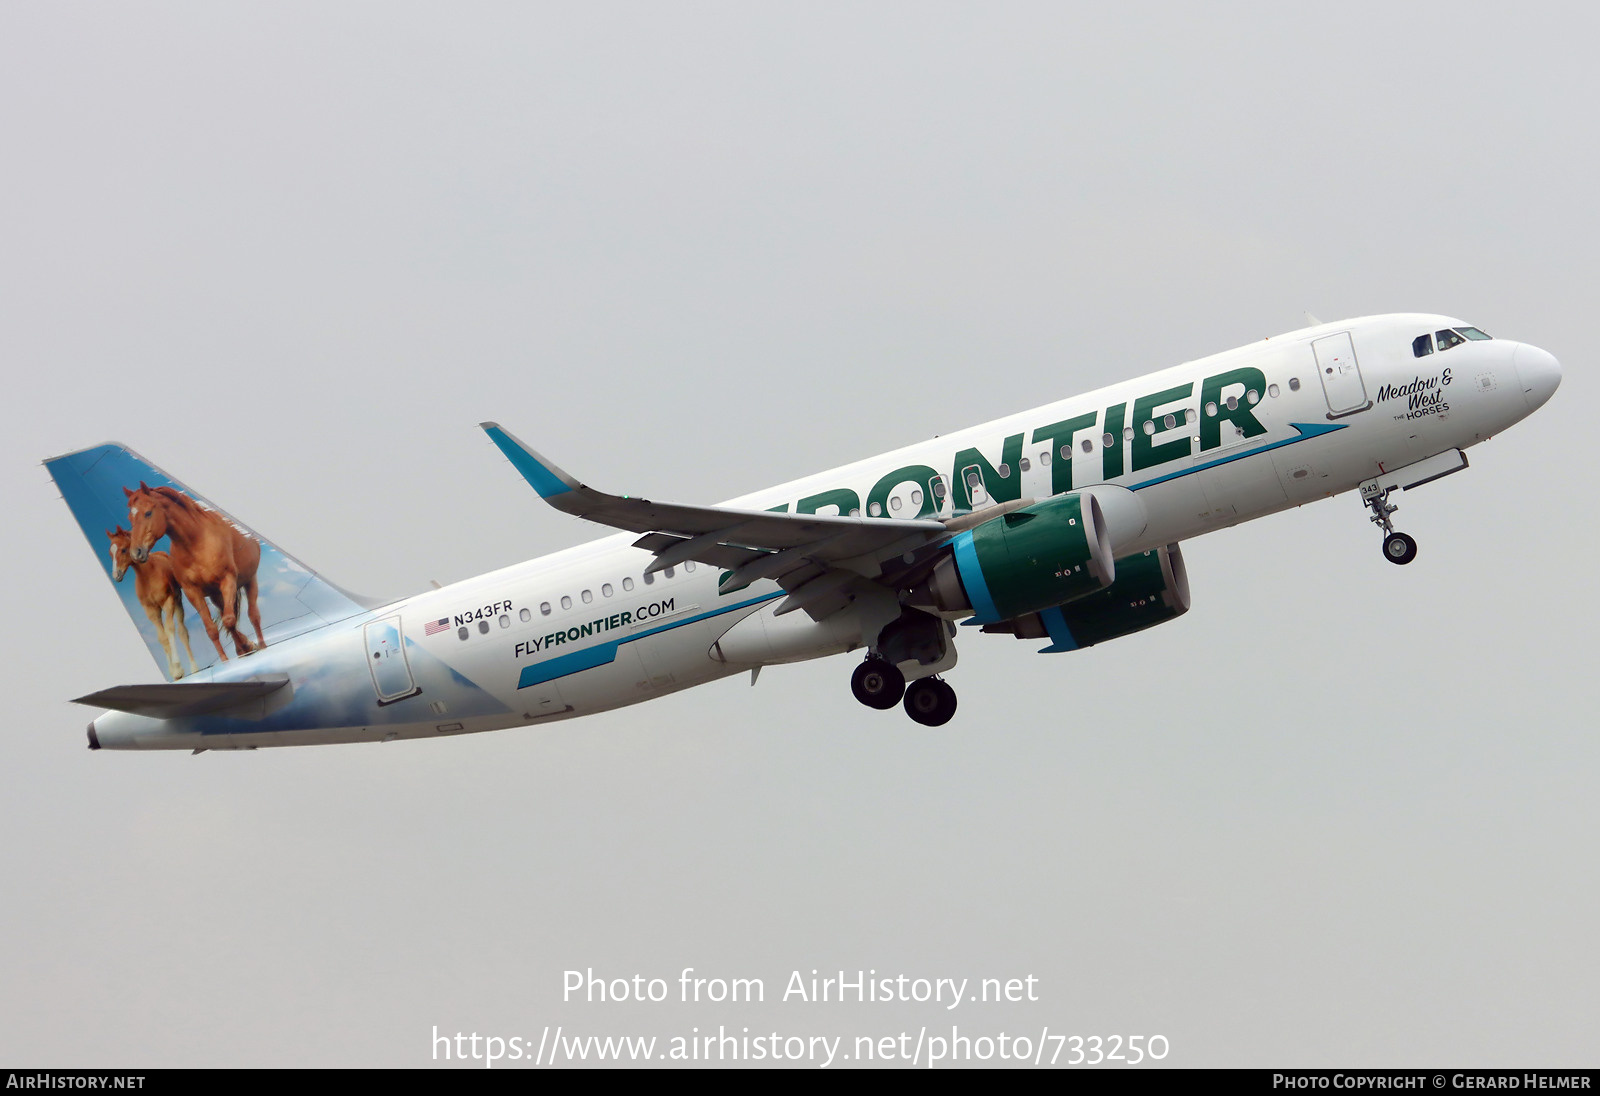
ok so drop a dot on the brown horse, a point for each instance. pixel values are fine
(211, 558)
(159, 593)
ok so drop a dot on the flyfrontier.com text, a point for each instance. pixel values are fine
(846, 987)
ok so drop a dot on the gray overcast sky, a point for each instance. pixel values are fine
(1340, 813)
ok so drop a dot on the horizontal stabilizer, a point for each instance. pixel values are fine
(238, 699)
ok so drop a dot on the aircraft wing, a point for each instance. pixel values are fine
(815, 557)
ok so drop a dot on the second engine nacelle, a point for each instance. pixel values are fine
(1030, 559)
(1151, 588)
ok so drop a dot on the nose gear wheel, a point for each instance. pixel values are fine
(1397, 547)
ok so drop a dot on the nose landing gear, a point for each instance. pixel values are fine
(1397, 547)
(878, 683)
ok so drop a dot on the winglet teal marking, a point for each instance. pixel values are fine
(1307, 431)
(528, 463)
(1055, 622)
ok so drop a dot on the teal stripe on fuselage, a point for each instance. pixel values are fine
(1307, 432)
(602, 654)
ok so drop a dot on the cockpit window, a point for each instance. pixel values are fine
(1422, 346)
(1448, 339)
(1474, 334)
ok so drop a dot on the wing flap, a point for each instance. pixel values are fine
(666, 547)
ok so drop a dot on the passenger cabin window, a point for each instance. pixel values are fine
(1422, 346)
(1448, 339)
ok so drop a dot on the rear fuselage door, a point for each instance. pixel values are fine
(1341, 375)
(386, 658)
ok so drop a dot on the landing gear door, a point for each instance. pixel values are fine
(386, 658)
(1346, 392)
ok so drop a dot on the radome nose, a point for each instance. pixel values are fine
(1539, 372)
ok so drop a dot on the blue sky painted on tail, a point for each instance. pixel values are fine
(292, 598)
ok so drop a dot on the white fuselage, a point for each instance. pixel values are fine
(584, 630)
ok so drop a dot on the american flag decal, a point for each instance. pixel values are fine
(434, 627)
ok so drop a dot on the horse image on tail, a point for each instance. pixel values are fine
(211, 558)
(159, 593)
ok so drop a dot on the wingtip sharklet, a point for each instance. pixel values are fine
(543, 476)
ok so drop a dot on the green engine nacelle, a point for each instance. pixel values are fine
(1151, 588)
(1042, 555)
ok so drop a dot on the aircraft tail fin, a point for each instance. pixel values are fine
(166, 548)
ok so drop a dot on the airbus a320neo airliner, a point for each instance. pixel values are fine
(1061, 524)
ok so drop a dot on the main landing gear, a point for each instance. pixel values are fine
(878, 683)
(1397, 547)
